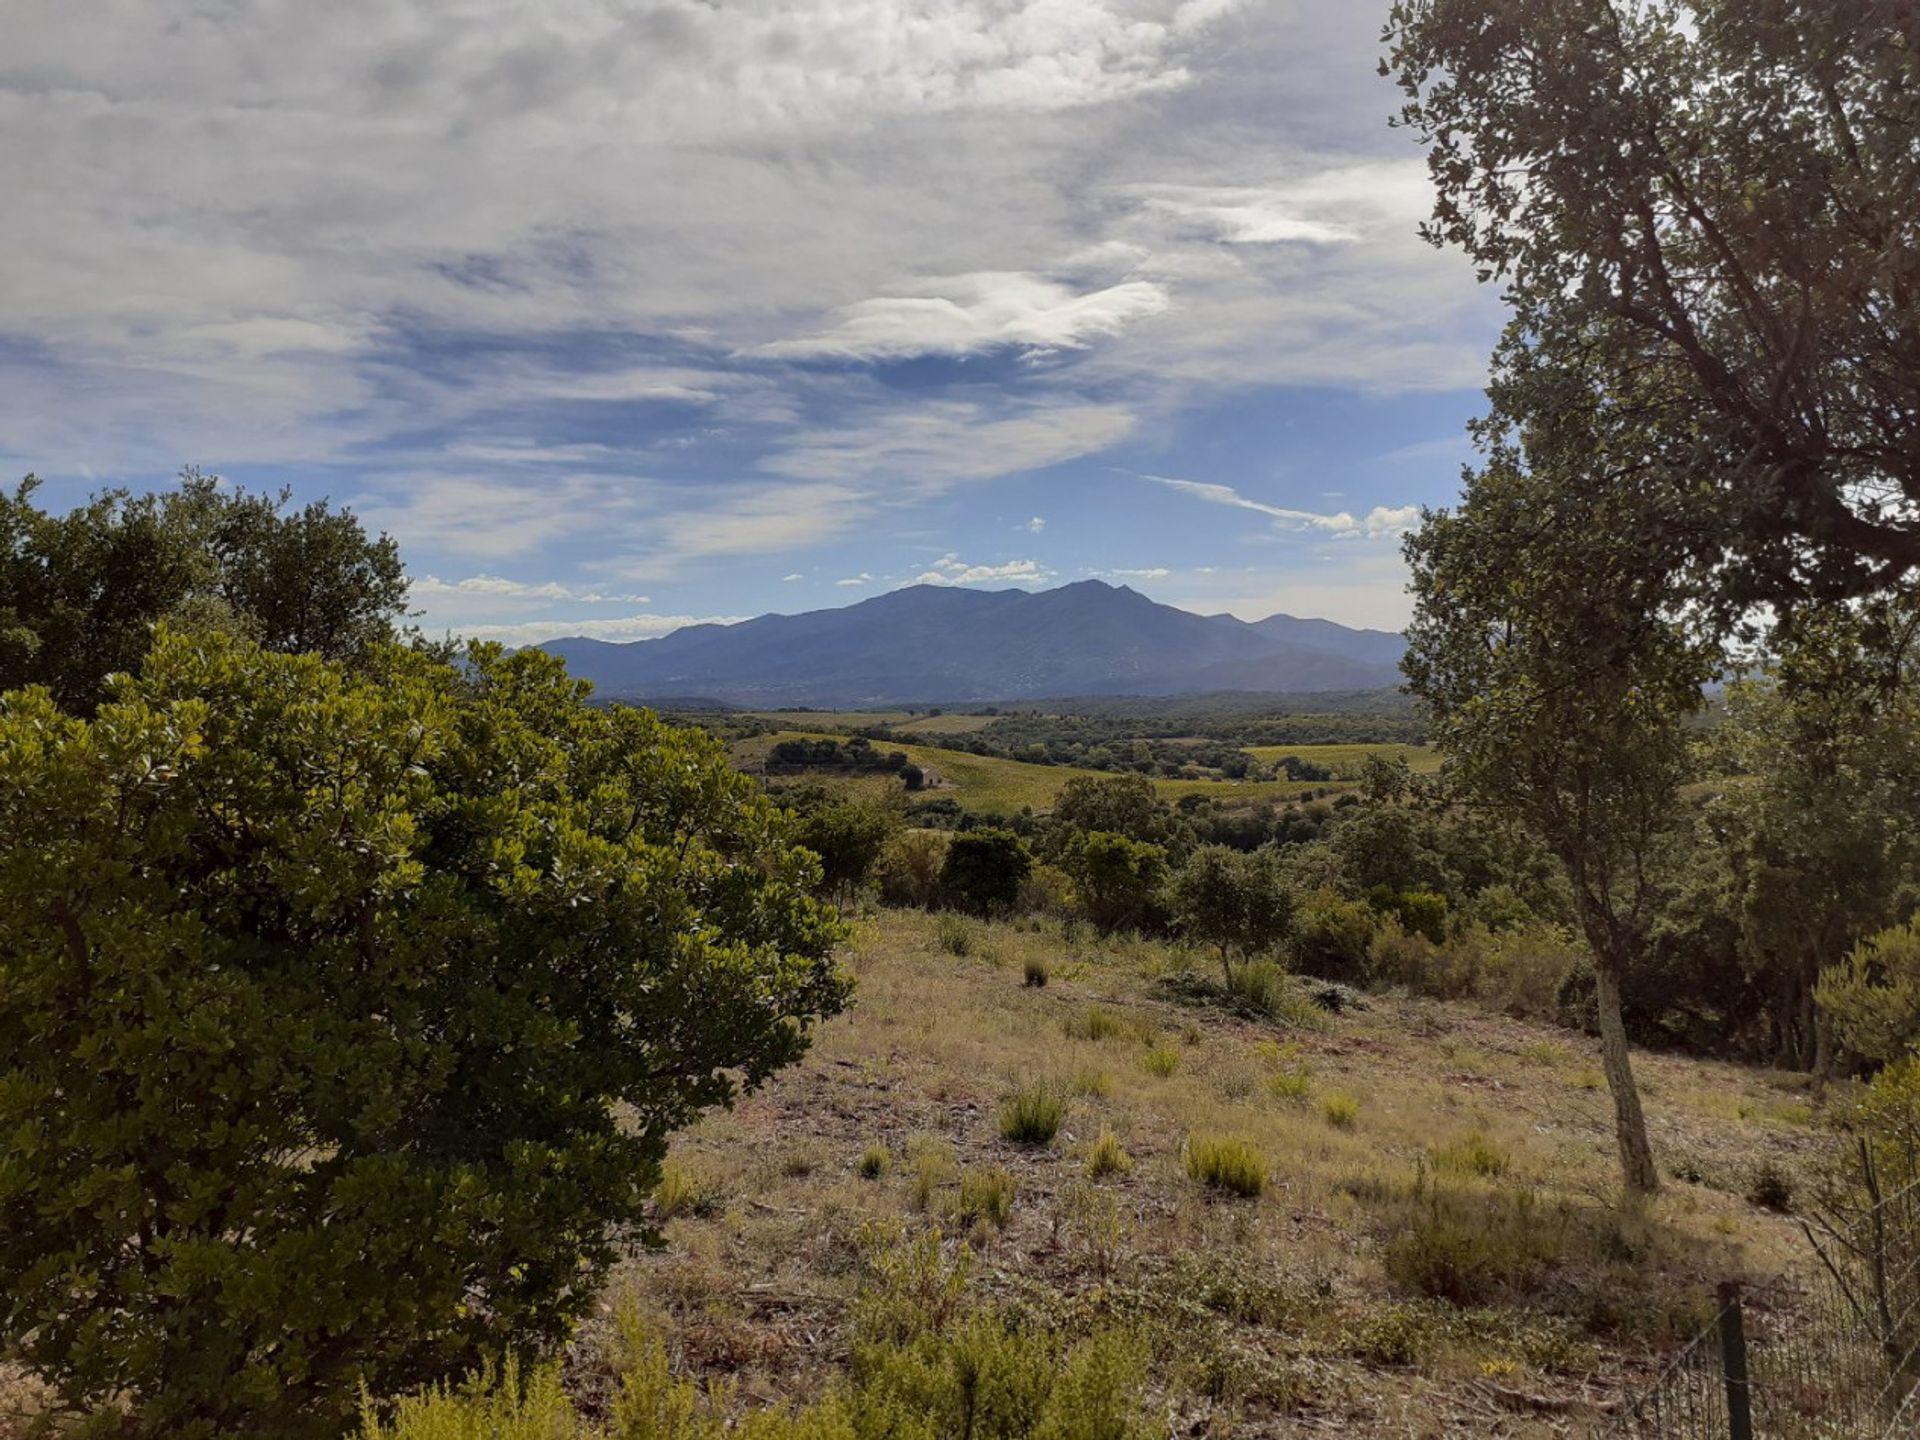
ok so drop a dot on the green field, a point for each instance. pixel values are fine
(946, 725)
(833, 719)
(992, 786)
(1347, 761)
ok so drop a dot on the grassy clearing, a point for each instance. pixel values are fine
(946, 725)
(1460, 1228)
(1347, 761)
(817, 721)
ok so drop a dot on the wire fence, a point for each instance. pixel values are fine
(1835, 1359)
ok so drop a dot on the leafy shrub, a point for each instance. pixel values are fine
(874, 1162)
(907, 871)
(1161, 1061)
(408, 961)
(1472, 1154)
(1225, 1162)
(1099, 1023)
(1117, 882)
(1107, 1156)
(1331, 937)
(1873, 996)
(1235, 903)
(1035, 971)
(1418, 912)
(1468, 1248)
(1261, 986)
(933, 1166)
(1339, 1110)
(983, 870)
(1032, 1115)
(1291, 1084)
(1090, 1082)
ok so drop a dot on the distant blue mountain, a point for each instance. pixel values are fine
(934, 644)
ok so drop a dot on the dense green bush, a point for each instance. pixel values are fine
(1237, 904)
(1117, 882)
(983, 870)
(1033, 1115)
(1331, 937)
(1227, 1162)
(907, 870)
(345, 1016)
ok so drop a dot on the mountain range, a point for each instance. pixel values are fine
(932, 644)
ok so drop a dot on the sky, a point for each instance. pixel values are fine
(619, 315)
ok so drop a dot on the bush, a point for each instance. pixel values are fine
(1226, 1163)
(1771, 1188)
(1292, 1084)
(875, 1161)
(1035, 971)
(681, 1192)
(1032, 1115)
(1233, 903)
(1339, 1110)
(1418, 912)
(1331, 937)
(1472, 1154)
(983, 870)
(307, 966)
(984, 1195)
(1873, 996)
(907, 872)
(1161, 1061)
(1117, 882)
(1107, 1157)
(1469, 1249)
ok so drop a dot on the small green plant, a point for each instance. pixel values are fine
(933, 1166)
(680, 1192)
(1472, 1154)
(1226, 1162)
(1294, 1085)
(984, 1195)
(1339, 1110)
(875, 1161)
(956, 935)
(1032, 1115)
(1098, 1024)
(1036, 974)
(1106, 1156)
(1162, 1061)
(1090, 1082)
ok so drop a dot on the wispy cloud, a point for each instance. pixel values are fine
(952, 570)
(1381, 521)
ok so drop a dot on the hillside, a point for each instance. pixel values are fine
(1327, 1302)
(948, 645)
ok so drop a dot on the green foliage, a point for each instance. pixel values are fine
(80, 593)
(1032, 1115)
(957, 936)
(1331, 937)
(983, 869)
(346, 1016)
(682, 1192)
(1161, 1061)
(874, 1162)
(1232, 902)
(1125, 805)
(1340, 1110)
(1106, 1156)
(1227, 1162)
(984, 1195)
(1418, 912)
(1471, 1154)
(1873, 996)
(848, 835)
(908, 868)
(1470, 1247)
(1117, 882)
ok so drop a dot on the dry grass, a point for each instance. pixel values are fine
(1481, 1171)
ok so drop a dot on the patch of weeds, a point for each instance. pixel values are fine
(681, 1193)
(1035, 972)
(1106, 1156)
(1098, 1023)
(984, 1195)
(1091, 1083)
(1472, 1154)
(1096, 1227)
(1236, 1082)
(1225, 1285)
(1589, 1080)
(1032, 1115)
(933, 1166)
(1468, 1248)
(1227, 1163)
(1293, 1085)
(1771, 1188)
(957, 935)
(1339, 1109)
(874, 1162)
(1161, 1061)
(1543, 1052)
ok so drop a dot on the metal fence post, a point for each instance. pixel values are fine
(1733, 1363)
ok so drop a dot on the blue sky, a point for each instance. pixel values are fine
(622, 314)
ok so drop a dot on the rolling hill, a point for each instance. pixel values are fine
(938, 644)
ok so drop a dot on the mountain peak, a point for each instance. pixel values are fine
(938, 644)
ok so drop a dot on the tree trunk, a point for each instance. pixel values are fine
(1629, 1124)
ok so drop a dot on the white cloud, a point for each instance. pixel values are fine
(969, 314)
(789, 579)
(855, 581)
(1158, 572)
(628, 627)
(1036, 525)
(930, 446)
(431, 587)
(952, 570)
(1380, 522)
